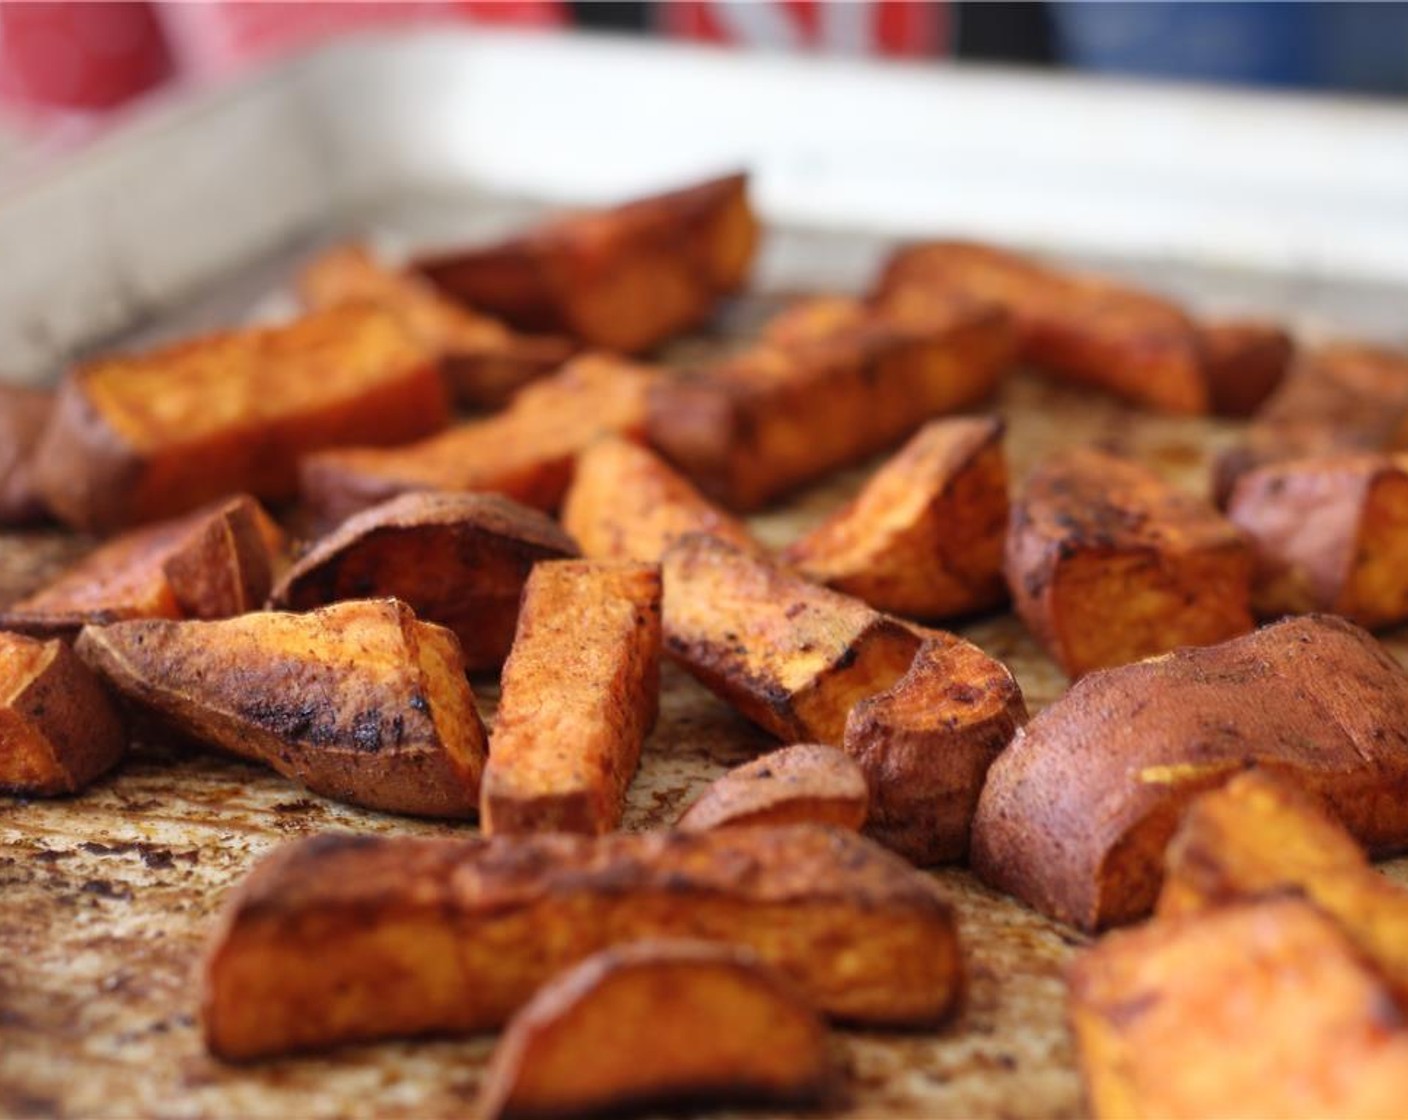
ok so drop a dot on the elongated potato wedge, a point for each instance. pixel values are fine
(1329, 533)
(213, 563)
(526, 452)
(484, 363)
(925, 536)
(580, 693)
(791, 656)
(764, 422)
(806, 783)
(1263, 1009)
(344, 938)
(925, 745)
(59, 730)
(659, 1022)
(1259, 836)
(359, 702)
(627, 504)
(1107, 563)
(622, 279)
(1077, 811)
(459, 560)
(24, 413)
(141, 438)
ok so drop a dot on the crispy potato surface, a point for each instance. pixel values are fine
(805, 783)
(24, 413)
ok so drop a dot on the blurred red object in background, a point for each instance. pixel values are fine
(889, 28)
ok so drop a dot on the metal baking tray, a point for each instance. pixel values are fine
(196, 214)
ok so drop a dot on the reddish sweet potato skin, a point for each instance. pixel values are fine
(24, 413)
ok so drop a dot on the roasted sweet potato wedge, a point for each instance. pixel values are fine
(1107, 563)
(342, 938)
(484, 363)
(791, 656)
(764, 422)
(141, 438)
(627, 504)
(1077, 811)
(925, 745)
(806, 783)
(1329, 533)
(580, 693)
(659, 1022)
(213, 563)
(1263, 1009)
(1259, 836)
(459, 560)
(925, 536)
(24, 413)
(621, 279)
(359, 702)
(59, 730)
(1095, 332)
(527, 452)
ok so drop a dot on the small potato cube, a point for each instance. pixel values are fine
(1245, 362)
(24, 413)
(796, 785)
(925, 536)
(1107, 564)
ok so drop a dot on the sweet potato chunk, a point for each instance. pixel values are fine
(659, 1022)
(459, 560)
(925, 536)
(796, 785)
(24, 413)
(1107, 563)
(359, 702)
(1257, 1010)
(626, 504)
(1095, 332)
(622, 279)
(484, 362)
(140, 438)
(1329, 534)
(580, 693)
(791, 656)
(213, 563)
(343, 938)
(768, 420)
(59, 730)
(1077, 811)
(527, 452)
(926, 743)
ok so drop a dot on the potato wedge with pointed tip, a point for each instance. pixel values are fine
(654, 1023)
(345, 938)
(458, 560)
(59, 730)
(924, 538)
(579, 694)
(791, 656)
(24, 413)
(359, 702)
(795, 785)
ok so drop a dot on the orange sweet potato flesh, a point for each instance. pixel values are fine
(764, 422)
(791, 656)
(213, 563)
(658, 1023)
(346, 938)
(1078, 810)
(1329, 533)
(626, 503)
(359, 702)
(579, 694)
(621, 279)
(804, 783)
(459, 560)
(925, 537)
(24, 413)
(59, 730)
(1261, 1009)
(484, 362)
(527, 452)
(1107, 563)
(925, 745)
(141, 438)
